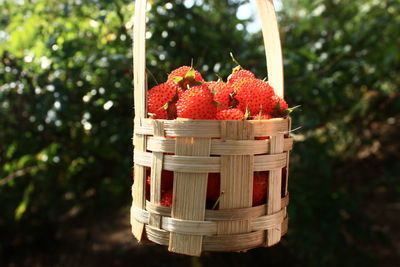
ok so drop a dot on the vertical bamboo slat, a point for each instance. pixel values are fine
(140, 85)
(236, 177)
(274, 191)
(155, 178)
(189, 197)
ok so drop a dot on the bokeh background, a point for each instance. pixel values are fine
(66, 109)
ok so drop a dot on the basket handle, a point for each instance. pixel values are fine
(272, 44)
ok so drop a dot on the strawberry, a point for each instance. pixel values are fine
(167, 179)
(230, 114)
(223, 94)
(252, 94)
(197, 103)
(260, 188)
(240, 75)
(185, 77)
(213, 186)
(158, 99)
(166, 198)
(275, 106)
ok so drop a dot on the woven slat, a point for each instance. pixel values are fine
(209, 228)
(140, 85)
(208, 164)
(189, 198)
(218, 215)
(236, 177)
(221, 147)
(273, 235)
(206, 128)
(155, 178)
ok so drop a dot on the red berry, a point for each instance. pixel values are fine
(230, 114)
(213, 186)
(222, 94)
(166, 198)
(188, 75)
(252, 94)
(240, 75)
(277, 106)
(197, 103)
(167, 181)
(159, 97)
(260, 188)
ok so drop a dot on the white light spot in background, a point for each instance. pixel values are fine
(45, 62)
(86, 98)
(57, 105)
(87, 126)
(189, 3)
(148, 35)
(28, 58)
(50, 88)
(168, 6)
(108, 105)
(56, 159)
(217, 67)
(94, 23)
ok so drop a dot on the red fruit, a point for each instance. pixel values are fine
(260, 188)
(252, 94)
(185, 76)
(167, 179)
(159, 97)
(277, 106)
(240, 75)
(166, 198)
(230, 114)
(222, 94)
(213, 186)
(197, 103)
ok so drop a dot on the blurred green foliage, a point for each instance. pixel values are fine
(66, 110)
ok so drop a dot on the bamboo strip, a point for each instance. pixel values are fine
(139, 66)
(272, 43)
(221, 215)
(155, 176)
(208, 164)
(189, 195)
(286, 179)
(207, 228)
(221, 147)
(236, 177)
(209, 128)
(236, 242)
(188, 227)
(273, 236)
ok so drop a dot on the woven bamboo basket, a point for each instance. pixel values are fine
(194, 148)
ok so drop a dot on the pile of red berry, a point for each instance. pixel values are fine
(187, 95)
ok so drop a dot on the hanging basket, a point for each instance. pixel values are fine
(194, 148)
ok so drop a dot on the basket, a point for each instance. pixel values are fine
(194, 148)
